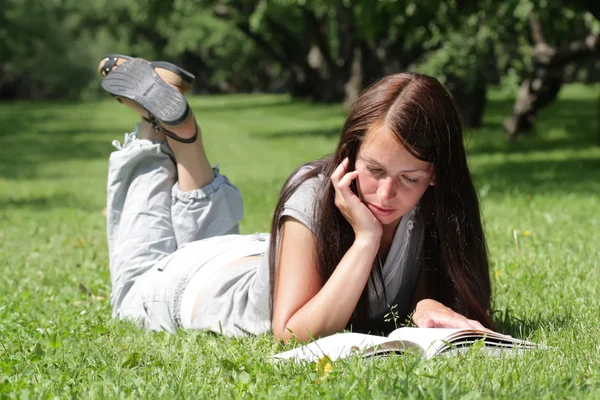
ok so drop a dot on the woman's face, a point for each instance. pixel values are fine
(390, 179)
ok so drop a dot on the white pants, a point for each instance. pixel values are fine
(149, 219)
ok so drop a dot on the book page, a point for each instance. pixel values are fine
(336, 346)
(439, 340)
(428, 341)
(425, 337)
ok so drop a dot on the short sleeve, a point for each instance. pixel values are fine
(302, 203)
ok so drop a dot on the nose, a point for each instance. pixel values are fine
(387, 188)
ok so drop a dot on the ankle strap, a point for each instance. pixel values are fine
(154, 122)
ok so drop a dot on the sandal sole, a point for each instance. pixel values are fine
(180, 72)
(136, 80)
(186, 76)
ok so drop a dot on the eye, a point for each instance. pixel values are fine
(374, 170)
(409, 180)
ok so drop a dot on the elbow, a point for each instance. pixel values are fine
(280, 330)
(283, 333)
(287, 335)
(278, 334)
(300, 335)
(285, 327)
(280, 338)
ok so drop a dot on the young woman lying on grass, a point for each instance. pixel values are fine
(390, 220)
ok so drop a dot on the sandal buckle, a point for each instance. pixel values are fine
(152, 120)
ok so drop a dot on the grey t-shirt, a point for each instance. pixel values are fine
(243, 294)
(400, 271)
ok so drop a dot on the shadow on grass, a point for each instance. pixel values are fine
(522, 328)
(574, 175)
(38, 202)
(37, 133)
(44, 132)
(27, 157)
(220, 103)
(577, 118)
(304, 134)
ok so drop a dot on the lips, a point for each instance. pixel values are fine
(381, 210)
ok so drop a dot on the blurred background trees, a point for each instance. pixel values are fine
(319, 50)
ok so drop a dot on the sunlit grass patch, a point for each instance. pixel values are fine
(540, 198)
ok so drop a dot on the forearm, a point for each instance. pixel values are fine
(331, 308)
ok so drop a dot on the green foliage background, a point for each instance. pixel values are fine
(50, 49)
(57, 337)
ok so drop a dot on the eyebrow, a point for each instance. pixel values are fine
(370, 160)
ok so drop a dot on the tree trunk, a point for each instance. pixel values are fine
(365, 69)
(470, 99)
(354, 84)
(533, 95)
(598, 122)
(546, 79)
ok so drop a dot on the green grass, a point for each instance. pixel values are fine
(57, 337)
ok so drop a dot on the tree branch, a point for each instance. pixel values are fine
(591, 6)
(536, 30)
(346, 35)
(319, 32)
(293, 47)
(264, 44)
(223, 12)
(295, 51)
(576, 50)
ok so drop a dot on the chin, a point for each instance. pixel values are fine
(390, 220)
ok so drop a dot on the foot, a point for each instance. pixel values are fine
(175, 76)
(137, 84)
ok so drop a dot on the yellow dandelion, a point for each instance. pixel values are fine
(324, 367)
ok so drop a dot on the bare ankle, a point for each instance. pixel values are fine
(147, 131)
(186, 129)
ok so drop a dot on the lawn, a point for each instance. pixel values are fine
(57, 337)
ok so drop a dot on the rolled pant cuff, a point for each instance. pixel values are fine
(202, 193)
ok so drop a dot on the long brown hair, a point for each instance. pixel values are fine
(423, 117)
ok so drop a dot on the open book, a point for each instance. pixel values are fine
(429, 342)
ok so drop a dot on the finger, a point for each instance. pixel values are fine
(478, 325)
(343, 191)
(454, 321)
(459, 323)
(475, 325)
(345, 182)
(424, 322)
(339, 171)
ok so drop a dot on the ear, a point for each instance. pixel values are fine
(432, 181)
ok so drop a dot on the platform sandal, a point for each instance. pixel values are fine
(170, 73)
(166, 107)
